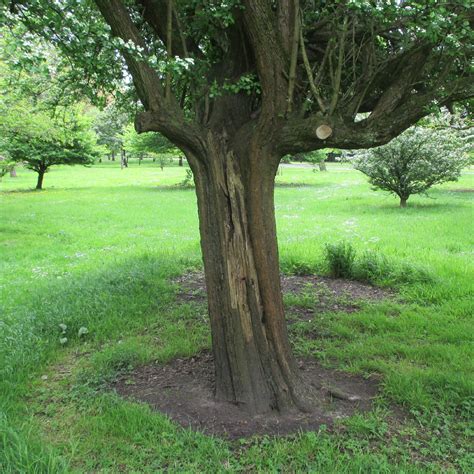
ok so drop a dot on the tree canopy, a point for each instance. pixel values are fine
(307, 63)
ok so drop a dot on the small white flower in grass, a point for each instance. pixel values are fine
(82, 331)
(63, 340)
(63, 327)
(351, 222)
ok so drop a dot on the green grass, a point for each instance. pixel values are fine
(97, 249)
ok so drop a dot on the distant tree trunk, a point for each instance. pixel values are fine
(39, 182)
(322, 166)
(13, 173)
(180, 161)
(254, 365)
(123, 159)
(403, 201)
(113, 155)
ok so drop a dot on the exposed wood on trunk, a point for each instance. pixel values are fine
(254, 365)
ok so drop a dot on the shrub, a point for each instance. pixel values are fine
(413, 162)
(340, 259)
(372, 267)
(188, 180)
(343, 262)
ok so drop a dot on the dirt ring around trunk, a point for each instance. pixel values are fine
(183, 389)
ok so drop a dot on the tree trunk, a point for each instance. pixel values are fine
(13, 173)
(39, 183)
(113, 155)
(123, 160)
(254, 366)
(180, 161)
(322, 166)
(403, 202)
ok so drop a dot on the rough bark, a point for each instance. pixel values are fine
(403, 202)
(253, 360)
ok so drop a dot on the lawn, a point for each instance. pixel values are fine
(97, 250)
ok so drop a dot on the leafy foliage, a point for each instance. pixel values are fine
(109, 126)
(340, 259)
(6, 165)
(413, 162)
(145, 143)
(37, 127)
(359, 49)
(39, 141)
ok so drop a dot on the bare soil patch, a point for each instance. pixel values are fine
(327, 294)
(183, 389)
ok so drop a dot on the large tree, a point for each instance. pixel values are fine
(239, 84)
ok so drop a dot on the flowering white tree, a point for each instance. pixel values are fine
(413, 162)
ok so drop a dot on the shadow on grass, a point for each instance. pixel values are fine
(111, 301)
(22, 191)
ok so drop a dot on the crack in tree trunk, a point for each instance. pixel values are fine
(253, 361)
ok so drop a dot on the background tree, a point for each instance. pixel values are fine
(38, 141)
(6, 165)
(237, 85)
(413, 162)
(109, 125)
(39, 126)
(148, 144)
(316, 157)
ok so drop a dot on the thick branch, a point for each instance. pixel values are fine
(155, 14)
(309, 73)
(293, 58)
(405, 77)
(271, 60)
(299, 135)
(163, 116)
(146, 80)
